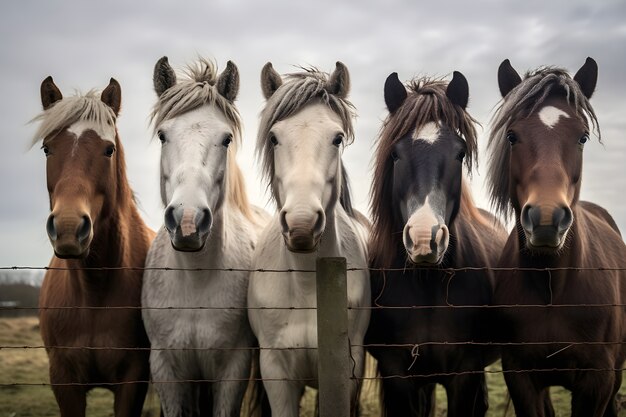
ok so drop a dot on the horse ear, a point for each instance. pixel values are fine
(270, 80)
(50, 93)
(228, 82)
(395, 92)
(339, 82)
(164, 76)
(458, 90)
(508, 78)
(587, 77)
(112, 96)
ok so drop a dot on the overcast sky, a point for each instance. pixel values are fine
(82, 44)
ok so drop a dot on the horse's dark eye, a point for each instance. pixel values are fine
(510, 136)
(46, 151)
(461, 156)
(109, 151)
(338, 140)
(584, 138)
(273, 140)
(161, 136)
(394, 156)
(227, 140)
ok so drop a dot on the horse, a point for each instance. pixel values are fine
(94, 223)
(424, 220)
(536, 146)
(210, 225)
(305, 125)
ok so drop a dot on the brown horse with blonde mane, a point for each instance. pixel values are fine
(569, 328)
(424, 220)
(94, 224)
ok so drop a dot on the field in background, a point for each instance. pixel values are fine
(30, 365)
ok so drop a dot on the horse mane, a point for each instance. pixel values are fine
(69, 110)
(299, 90)
(519, 103)
(426, 102)
(195, 88)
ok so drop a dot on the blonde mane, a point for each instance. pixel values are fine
(298, 90)
(195, 88)
(69, 110)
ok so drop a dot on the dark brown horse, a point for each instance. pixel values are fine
(94, 223)
(536, 146)
(424, 216)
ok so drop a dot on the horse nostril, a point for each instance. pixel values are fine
(170, 219)
(562, 218)
(205, 221)
(320, 224)
(406, 237)
(51, 228)
(530, 217)
(84, 230)
(283, 221)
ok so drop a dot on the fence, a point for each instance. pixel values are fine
(334, 354)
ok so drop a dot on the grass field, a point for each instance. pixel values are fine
(31, 366)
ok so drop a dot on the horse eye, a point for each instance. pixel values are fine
(338, 140)
(394, 156)
(46, 151)
(161, 136)
(584, 138)
(108, 152)
(227, 140)
(273, 140)
(510, 136)
(461, 156)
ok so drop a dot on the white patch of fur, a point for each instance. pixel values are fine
(105, 131)
(550, 116)
(428, 133)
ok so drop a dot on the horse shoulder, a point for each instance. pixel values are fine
(600, 213)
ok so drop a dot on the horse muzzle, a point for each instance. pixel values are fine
(426, 247)
(545, 228)
(189, 228)
(302, 230)
(70, 234)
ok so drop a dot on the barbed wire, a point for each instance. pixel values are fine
(289, 270)
(378, 307)
(365, 345)
(362, 378)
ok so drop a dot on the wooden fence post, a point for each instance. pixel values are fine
(332, 338)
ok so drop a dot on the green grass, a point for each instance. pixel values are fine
(31, 366)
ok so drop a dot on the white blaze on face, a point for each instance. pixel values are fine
(550, 115)
(105, 132)
(188, 222)
(428, 133)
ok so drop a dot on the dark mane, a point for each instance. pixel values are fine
(521, 102)
(299, 90)
(426, 102)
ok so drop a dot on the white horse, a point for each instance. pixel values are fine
(305, 126)
(208, 224)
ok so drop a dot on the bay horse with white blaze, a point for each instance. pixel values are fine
(570, 327)
(94, 223)
(424, 220)
(305, 126)
(210, 225)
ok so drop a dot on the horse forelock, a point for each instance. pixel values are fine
(87, 107)
(299, 90)
(525, 99)
(196, 87)
(426, 102)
